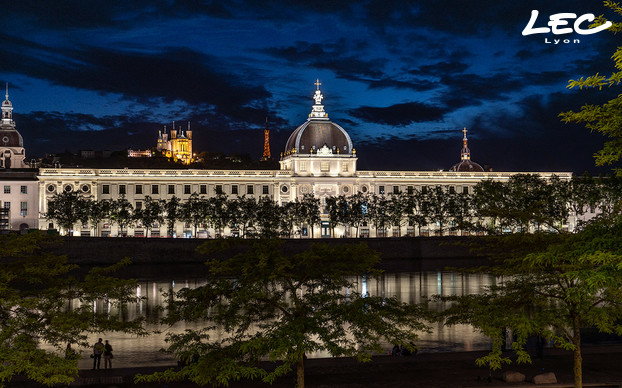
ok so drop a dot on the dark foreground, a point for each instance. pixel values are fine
(602, 368)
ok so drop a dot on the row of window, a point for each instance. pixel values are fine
(23, 207)
(250, 189)
(22, 189)
(424, 189)
(171, 189)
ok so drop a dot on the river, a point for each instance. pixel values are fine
(409, 287)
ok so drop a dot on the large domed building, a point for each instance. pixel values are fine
(319, 147)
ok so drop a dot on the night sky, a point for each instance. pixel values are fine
(402, 77)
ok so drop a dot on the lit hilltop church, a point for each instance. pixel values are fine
(177, 144)
(319, 158)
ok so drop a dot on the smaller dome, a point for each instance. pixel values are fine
(467, 166)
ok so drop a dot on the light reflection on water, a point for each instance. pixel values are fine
(409, 287)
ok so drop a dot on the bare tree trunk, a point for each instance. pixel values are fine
(578, 359)
(300, 373)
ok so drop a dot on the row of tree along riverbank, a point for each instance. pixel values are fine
(397, 254)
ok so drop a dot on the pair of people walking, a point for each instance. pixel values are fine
(100, 349)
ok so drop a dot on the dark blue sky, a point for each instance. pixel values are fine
(402, 77)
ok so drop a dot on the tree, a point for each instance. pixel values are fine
(66, 209)
(195, 211)
(605, 118)
(149, 214)
(417, 211)
(438, 203)
(35, 288)
(172, 214)
(378, 213)
(310, 211)
(268, 216)
(397, 210)
(122, 212)
(218, 213)
(568, 282)
(243, 214)
(357, 217)
(338, 211)
(280, 307)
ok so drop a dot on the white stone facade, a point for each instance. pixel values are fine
(280, 185)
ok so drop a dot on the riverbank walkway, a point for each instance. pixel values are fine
(602, 367)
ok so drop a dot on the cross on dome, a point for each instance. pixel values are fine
(318, 109)
(465, 154)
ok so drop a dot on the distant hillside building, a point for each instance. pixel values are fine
(177, 144)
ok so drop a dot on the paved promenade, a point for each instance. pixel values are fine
(602, 368)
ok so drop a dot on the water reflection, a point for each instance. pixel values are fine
(409, 287)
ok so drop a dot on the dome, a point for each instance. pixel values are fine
(466, 164)
(10, 138)
(315, 134)
(319, 132)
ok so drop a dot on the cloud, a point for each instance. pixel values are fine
(399, 114)
(171, 74)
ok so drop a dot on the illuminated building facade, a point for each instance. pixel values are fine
(177, 144)
(319, 158)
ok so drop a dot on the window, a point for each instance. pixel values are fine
(106, 189)
(264, 190)
(344, 167)
(23, 189)
(396, 189)
(218, 189)
(465, 190)
(7, 189)
(139, 205)
(303, 166)
(410, 190)
(171, 189)
(249, 189)
(452, 190)
(23, 208)
(186, 189)
(203, 189)
(380, 189)
(121, 189)
(234, 189)
(424, 189)
(139, 189)
(324, 166)
(7, 205)
(155, 189)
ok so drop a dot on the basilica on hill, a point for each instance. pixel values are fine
(319, 158)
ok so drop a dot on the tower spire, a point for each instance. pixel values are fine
(465, 154)
(266, 143)
(7, 91)
(318, 112)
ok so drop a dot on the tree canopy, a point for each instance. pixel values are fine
(36, 287)
(551, 286)
(279, 307)
(605, 118)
